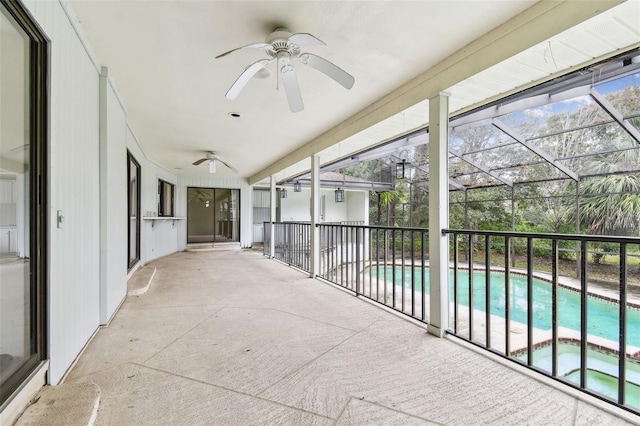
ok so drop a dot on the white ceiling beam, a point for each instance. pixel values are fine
(536, 24)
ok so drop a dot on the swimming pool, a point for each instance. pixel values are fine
(603, 319)
(602, 370)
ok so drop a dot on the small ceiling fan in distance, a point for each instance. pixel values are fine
(212, 158)
(285, 48)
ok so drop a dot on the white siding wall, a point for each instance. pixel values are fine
(87, 167)
(358, 206)
(335, 212)
(74, 250)
(297, 206)
(246, 204)
(158, 237)
(113, 200)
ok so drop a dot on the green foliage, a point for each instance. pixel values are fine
(614, 205)
(603, 250)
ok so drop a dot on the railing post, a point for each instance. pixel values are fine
(438, 213)
(583, 314)
(507, 296)
(622, 327)
(530, 301)
(554, 307)
(357, 271)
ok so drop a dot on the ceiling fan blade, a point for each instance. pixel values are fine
(229, 166)
(200, 161)
(305, 39)
(291, 87)
(328, 68)
(252, 45)
(244, 78)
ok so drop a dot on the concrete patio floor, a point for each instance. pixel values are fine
(232, 337)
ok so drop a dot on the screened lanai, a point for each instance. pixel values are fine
(553, 143)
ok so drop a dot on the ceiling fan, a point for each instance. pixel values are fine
(283, 46)
(212, 158)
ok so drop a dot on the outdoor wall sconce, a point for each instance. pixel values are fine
(297, 187)
(283, 193)
(339, 195)
(401, 169)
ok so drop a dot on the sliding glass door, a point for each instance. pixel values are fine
(213, 215)
(23, 130)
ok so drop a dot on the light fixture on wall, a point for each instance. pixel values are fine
(402, 169)
(339, 195)
(283, 193)
(297, 187)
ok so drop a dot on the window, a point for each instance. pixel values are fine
(23, 198)
(165, 198)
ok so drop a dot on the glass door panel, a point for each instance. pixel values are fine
(212, 215)
(200, 215)
(22, 243)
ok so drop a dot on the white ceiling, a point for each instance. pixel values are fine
(160, 54)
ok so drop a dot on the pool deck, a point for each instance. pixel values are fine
(235, 338)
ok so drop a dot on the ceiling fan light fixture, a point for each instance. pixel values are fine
(212, 166)
(283, 46)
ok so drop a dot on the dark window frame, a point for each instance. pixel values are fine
(132, 260)
(39, 88)
(162, 198)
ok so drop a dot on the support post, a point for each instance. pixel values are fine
(439, 213)
(315, 216)
(513, 224)
(578, 252)
(272, 217)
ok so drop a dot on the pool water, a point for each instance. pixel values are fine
(602, 321)
(602, 370)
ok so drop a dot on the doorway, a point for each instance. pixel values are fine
(213, 215)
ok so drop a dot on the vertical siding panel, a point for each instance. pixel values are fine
(113, 201)
(73, 293)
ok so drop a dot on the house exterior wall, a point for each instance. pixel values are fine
(74, 188)
(358, 206)
(113, 200)
(297, 206)
(158, 238)
(88, 142)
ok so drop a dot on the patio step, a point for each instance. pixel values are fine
(64, 404)
(213, 246)
(140, 281)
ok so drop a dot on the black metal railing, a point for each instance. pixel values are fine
(384, 264)
(292, 243)
(582, 331)
(546, 301)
